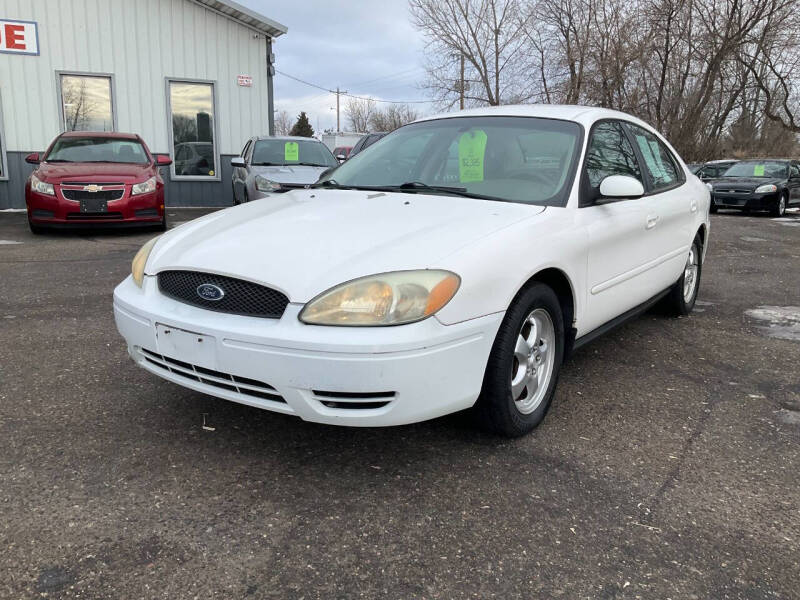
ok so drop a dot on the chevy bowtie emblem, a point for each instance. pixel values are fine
(93, 188)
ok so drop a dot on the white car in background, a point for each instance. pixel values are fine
(453, 265)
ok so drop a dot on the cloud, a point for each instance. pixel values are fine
(365, 47)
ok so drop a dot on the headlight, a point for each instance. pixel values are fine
(145, 187)
(710, 187)
(766, 189)
(37, 185)
(140, 260)
(386, 299)
(265, 185)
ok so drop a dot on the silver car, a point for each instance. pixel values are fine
(273, 165)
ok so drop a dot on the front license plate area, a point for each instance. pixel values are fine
(94, 205)
(187, 346)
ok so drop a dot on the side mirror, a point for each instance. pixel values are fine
(163, 160)
(238, 161)
(621, 186)
(33, 158)
(325, 173)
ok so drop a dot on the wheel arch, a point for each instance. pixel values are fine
(560, 283)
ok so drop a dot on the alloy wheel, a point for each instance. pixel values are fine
(534, 356)
(690, 275)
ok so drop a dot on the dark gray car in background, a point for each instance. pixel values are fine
(272, 165)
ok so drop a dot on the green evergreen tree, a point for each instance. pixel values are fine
(302, 127)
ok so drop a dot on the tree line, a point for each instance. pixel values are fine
(717, 77)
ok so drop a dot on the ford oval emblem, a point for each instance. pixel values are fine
(209, 291)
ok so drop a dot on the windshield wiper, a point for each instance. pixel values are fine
(306, 165)
(57, 160)
(266, 165)
(414, 186)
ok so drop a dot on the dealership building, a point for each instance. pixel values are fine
(192, 77)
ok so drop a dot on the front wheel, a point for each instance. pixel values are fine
(681, 298)
(524, 364)
(35, 229)
(780, 207)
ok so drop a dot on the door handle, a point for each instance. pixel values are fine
(651, 221)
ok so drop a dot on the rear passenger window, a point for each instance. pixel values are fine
(658, 162)
(609, 153)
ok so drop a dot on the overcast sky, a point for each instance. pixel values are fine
(367, 47)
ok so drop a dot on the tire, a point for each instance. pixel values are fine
(504, 407)
(780, 206)
(680, 302)
(713, 209)
(163, 225)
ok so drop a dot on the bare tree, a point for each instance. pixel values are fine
(488, 34)
(283, 123)
(392, 117)
(359, 112)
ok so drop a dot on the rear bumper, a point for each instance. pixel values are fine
(336, 375)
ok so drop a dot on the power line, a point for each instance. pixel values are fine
(319, 87)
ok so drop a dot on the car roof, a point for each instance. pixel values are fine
(565, 112)
(293, 138)
(101, 134)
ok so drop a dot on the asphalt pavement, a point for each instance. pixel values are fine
(668, 466)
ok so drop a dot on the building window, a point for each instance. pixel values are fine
(193, 121)
(86, 102)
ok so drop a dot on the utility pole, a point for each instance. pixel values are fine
(461, 87)
(338, 93)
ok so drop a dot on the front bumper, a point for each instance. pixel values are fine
(745, 201)
(337, 375)
(57, 211)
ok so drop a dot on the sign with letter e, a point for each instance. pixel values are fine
(19, 37)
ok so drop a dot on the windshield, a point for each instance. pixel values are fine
(517, 159)
(97, 149)
(278, 152)
(762, 168)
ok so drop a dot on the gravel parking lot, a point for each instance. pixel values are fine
(668, 467)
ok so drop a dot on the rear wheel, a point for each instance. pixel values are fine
(780, 207)
(683, 294)
(524, 364)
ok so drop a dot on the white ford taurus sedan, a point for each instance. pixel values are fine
(454, 264)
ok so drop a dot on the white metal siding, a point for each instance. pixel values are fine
(141, 42)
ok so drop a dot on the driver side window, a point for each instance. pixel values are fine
(609, 153)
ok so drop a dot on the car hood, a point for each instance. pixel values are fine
(297, 174)
(744, 183)
(306, 241)
(93, 172)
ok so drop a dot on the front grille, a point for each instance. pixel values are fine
(78, 195)
(224, 381)
(240, 297)
(94, 216)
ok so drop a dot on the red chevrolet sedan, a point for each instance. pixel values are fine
(104, 179)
